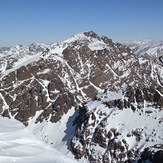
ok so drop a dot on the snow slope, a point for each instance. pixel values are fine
(57, 135)
(17, 144)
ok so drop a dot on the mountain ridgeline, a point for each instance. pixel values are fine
(112, 93)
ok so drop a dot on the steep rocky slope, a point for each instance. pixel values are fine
(43, 85)
(119, 126)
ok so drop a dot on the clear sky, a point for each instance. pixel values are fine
(28, 21)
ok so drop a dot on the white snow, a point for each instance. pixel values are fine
(45, 71)
(58, 49)
(5, 105)
(3, 64)
(57, 134)
(109, 95)
(75, 37)
(142, 61)
(17, 144)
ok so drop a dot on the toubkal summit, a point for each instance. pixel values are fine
(88, 96)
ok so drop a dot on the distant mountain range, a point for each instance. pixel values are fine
(152, 49)
(90, 98)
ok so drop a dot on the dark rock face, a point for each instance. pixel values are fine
(92, 35)
(154, 157)
(158, 157)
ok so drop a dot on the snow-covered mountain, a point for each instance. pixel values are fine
(81, 94)
(147, 48)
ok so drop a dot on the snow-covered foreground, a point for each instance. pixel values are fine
(17, 144)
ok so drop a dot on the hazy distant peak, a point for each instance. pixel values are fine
(138, 41)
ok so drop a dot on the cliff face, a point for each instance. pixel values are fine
(43, 83)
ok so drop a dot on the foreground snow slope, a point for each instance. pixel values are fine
(17, 144)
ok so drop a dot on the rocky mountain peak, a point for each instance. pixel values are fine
(89, 39)
(91, 34)
(43, 86)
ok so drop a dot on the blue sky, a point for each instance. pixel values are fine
(28, 21)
